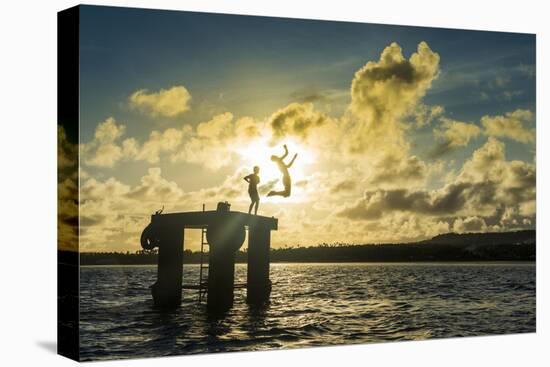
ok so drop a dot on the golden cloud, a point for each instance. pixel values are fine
(103, 150)
(384, 91)
(488, 186)
(296, 119)
(455, 134)
(511, 126)
(164, 103)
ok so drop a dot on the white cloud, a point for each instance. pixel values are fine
(164, 103)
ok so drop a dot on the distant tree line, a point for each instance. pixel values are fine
(508, 246)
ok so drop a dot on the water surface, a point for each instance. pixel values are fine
(311, 305)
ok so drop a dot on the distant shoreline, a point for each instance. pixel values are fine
(517, 246)
(473, 262)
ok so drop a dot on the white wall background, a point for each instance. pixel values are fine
(28, 181)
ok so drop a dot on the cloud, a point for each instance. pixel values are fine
(529, 70)
(215, 143)
(93, 189)
(383, 94)
(469, 224)
(449, 200)
(211, 143)
(67, 214)
(67, 152)
(342, 186)
(113, 214)
(67, 192)
(397, 169)
(499, 81)
(208, 143)
(511, 126)
(510, 94)
(455, 134)
(155, 188)
(108, 131)
(488, 186)
(296, 119)
(167, 141)
(310, 95)
(384, 91)
(104, 150)
(232, 188)
(367, 150)
(515, 181)
(107, 149)
(164, 103)
(424, 115)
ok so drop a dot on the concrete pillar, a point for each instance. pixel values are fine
(167, 290)
(224, 238)
(258, 283)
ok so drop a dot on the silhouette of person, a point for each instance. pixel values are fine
(283, 167)
(253, 180)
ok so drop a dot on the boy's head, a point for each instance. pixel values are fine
(256, 169)
(274, 157)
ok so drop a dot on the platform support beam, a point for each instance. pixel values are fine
(225, 237)
(167, 289)
(258, 283)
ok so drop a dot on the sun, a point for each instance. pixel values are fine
(258, 153)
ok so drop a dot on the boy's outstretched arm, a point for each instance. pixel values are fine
(292, 161)
(286, 152)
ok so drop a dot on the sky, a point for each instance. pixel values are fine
(402, 133)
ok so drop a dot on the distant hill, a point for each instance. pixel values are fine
(492, 238)
(503, 246)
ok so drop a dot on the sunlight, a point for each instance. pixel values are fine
(259, 154)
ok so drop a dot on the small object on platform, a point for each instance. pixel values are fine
(223, 206)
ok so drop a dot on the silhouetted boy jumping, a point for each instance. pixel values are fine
(253, 180)
(284, 170)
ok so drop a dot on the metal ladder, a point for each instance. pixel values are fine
(203, 272)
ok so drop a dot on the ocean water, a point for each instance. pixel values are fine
(311, 305)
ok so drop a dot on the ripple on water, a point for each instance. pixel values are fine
(311, 305)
